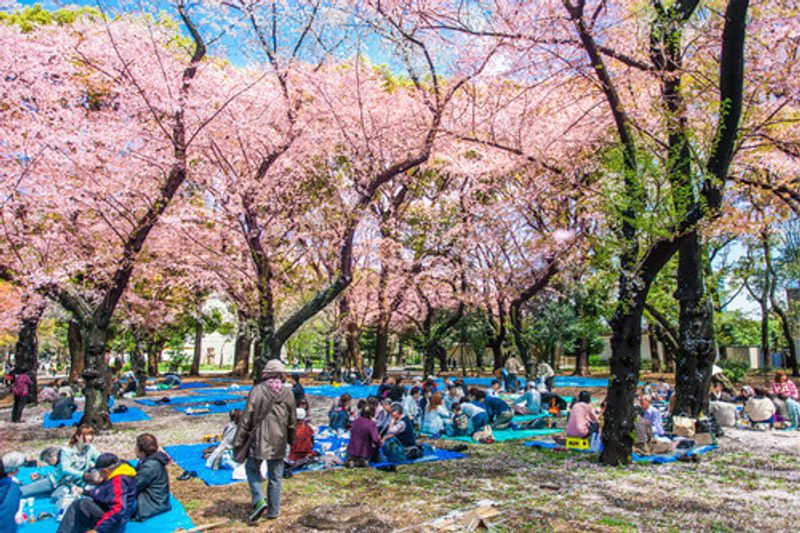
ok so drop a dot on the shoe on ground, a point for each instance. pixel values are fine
(258, 510)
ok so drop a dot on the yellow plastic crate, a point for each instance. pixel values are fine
(577, 444)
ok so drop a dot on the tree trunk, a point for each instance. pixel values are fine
(269, 347)
(198, 345)
(353, 335)
(520, 341)
(95, 376)
(656, 359)
(582, 358)
(139, 368)
(626, 341)
(75, 343)
(786, 322)
(26, 349)
(696, 351)
(381, 350)
(241, 352)
(154, 349)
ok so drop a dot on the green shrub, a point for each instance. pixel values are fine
(734, 370)
(595, 360)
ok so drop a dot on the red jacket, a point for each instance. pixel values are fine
(303, 445)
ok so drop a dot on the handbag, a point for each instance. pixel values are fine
(241, 452)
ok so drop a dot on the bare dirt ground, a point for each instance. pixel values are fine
(751, 483)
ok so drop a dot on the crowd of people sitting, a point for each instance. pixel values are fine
(759, 407)
(92, 491)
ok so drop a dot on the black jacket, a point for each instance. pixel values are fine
(152, 486)
(63, 408)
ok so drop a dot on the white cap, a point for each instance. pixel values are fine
(301, 413)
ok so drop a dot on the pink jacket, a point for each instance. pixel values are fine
(787, 389)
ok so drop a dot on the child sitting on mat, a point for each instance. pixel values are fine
(222, 455)
(301, 451)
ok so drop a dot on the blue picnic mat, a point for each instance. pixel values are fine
(651, 459)
(331, 391)
(133, 414)
(190, 458)
(187, 400)
(170, 521)
(213, 409)
(228, 390)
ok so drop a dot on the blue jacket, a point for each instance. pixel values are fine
(9, 503)
(495, 406)
(117, 497)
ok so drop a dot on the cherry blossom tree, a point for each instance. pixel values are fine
(140, 95)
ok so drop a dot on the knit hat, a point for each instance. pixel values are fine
(106, 460)
(274, 366)
(13, 461)
(301, 413)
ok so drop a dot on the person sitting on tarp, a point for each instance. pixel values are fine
(652, 414)
(339, 414)
(460, 423)
(301, 451)
(783, 389)
(494, 389)
(718, 394)
(63, 408)
(383, 415)
(454, 395)
(436, 416)
(582, 420)
(646, 443)
(222, 454)
(476, 410)
(759, 408)
(71, 464)
(172, 380)
(152, 478)
(500, 414)
(386, 385)
(108, 507)
(412, 406)
(398, 390)
(662, 390)
(9, 493)
(364, 439)
(400, 441)
(530, 403)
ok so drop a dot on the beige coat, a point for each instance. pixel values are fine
(276, 431)
(513, 366)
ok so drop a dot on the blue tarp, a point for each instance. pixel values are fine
(228, 390)
(330, 391)
(652, 459)
(133, 414)
(188, 400)
(190, 458)
(214, 409)
(170, 521)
